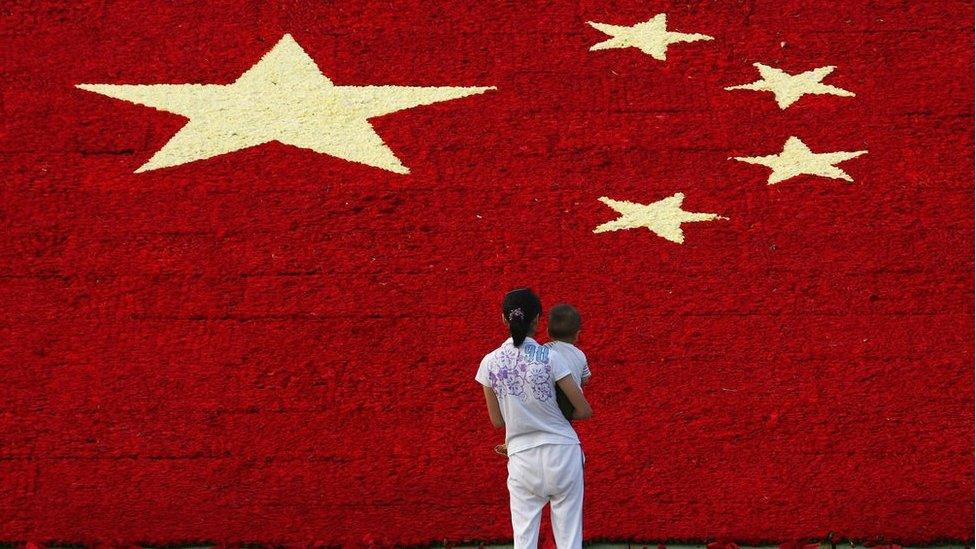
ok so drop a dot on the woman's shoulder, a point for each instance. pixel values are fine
(535, 352)
(490, 355)
(497, 351)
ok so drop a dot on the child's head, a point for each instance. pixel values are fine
(564, 323)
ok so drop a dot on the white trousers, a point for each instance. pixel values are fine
(547, 473)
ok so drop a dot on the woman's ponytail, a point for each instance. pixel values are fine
(518, 326)
(521, 307)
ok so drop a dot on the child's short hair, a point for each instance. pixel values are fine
(564, 321)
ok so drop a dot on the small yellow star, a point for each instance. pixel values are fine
(788, 88)
(797, 159)
(663, 218)
(651, 37)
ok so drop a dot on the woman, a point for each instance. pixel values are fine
(545, 460)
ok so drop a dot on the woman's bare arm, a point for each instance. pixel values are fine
(494, 412)
(581, 408)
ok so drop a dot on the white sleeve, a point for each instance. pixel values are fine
(586, 367)
(482, 375)
(560, 368)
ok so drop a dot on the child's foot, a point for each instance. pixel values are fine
(501, 449)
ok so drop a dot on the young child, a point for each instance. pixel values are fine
(564, 327)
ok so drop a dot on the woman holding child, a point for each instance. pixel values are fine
(545, 460)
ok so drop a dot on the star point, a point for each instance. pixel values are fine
(663, 218)
(797, 159)
(284, 97)
(789, 88)
(651, 37)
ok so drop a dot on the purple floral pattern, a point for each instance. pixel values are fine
(522, 372)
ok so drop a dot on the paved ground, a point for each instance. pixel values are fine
(651, 546)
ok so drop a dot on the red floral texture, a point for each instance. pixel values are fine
(278, 346)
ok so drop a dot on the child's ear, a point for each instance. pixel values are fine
(505, 320)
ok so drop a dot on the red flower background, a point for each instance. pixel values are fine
(276, 345)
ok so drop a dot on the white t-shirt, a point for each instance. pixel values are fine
(574, 357)
(524, 380)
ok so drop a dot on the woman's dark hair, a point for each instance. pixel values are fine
(520, 307)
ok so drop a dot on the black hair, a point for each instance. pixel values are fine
(520, 307)
(564, 321)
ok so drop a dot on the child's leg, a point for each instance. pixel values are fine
(524, 489)
(567, 498)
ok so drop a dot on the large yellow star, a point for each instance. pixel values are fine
(788, 88)
(663, 218)
(651, 37)
(284, 97)
(797, 159)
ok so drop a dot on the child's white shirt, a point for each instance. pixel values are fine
(574, 358)
(523, 378)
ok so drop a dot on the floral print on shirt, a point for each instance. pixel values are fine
(521, 372)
